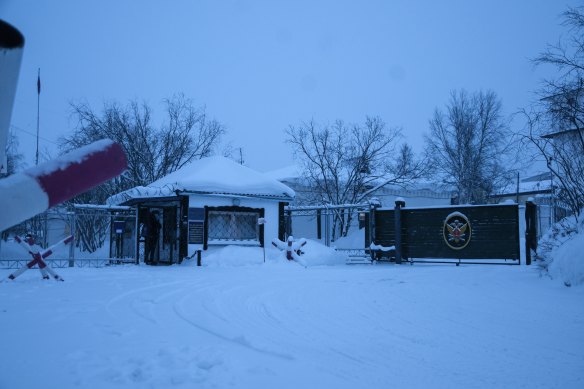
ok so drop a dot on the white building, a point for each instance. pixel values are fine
(211, 201)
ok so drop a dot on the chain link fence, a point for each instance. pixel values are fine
(324, 224)
(102, 236)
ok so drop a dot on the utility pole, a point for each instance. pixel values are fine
(38, 115)
(517, 192)
(37, 219)
(552, 193)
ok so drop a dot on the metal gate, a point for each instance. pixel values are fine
(458, 234)
(340, 226)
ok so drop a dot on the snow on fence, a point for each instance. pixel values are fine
(103, 236)
(338, 226)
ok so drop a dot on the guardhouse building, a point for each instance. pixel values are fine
(211, 201)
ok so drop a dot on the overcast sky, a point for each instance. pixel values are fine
(260, 66)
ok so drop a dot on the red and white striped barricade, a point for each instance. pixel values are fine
(38, 258)
(291, 247)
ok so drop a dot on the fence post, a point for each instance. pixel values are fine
(288, 223)
(331, 223)
(318, 224)
(137, 235)
(327, 226)
(530, 229)
(374, 203)
(74, 233)
(399, 203)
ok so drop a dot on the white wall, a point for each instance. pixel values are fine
(270, 210)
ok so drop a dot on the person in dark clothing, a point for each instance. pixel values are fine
(151, 233)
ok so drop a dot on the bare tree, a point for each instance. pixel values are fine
(468, 144)
(555, 123)
(344, 164)
(153, 152)
(15, 159)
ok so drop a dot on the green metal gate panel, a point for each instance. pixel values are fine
(459, 232)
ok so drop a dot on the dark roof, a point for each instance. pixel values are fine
(538, 177)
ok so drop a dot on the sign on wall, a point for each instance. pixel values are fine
(119, 226)
(196, 225)
(457, 231)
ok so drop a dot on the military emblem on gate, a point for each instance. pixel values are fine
(456, 231)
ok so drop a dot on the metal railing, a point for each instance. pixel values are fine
(61, 263)
(94, 227)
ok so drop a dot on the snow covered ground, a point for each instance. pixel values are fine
(281, 325)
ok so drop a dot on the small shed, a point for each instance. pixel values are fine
(209, 202)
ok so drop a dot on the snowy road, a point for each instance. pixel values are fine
(281, 325)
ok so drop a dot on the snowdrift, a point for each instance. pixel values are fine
(562, 249)
(313, 254)
(317, 254)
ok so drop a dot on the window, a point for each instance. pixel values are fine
(233, 226)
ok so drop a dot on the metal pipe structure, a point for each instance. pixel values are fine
(11, 48)
(26, 194)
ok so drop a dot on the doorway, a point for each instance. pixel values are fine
(165, 248)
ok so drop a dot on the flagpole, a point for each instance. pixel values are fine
(38, 115)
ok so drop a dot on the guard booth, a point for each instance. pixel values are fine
(128, 236)
(171, 245)
(201, 206)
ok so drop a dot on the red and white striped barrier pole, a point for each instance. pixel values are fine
(33, 191)
(38, 259)
(11, 48)
(26, 194)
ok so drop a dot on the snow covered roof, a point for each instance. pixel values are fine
(294, 176)
(539, 183)
(288, 173)
(213, 175)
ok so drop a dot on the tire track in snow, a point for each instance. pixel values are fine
(117, 299)
(238, 340)
(286, 316)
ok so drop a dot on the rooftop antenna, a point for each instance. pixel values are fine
(38, 115)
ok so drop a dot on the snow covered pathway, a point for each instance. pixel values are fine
(281, 325)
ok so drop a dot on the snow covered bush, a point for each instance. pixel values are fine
(562, 251)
